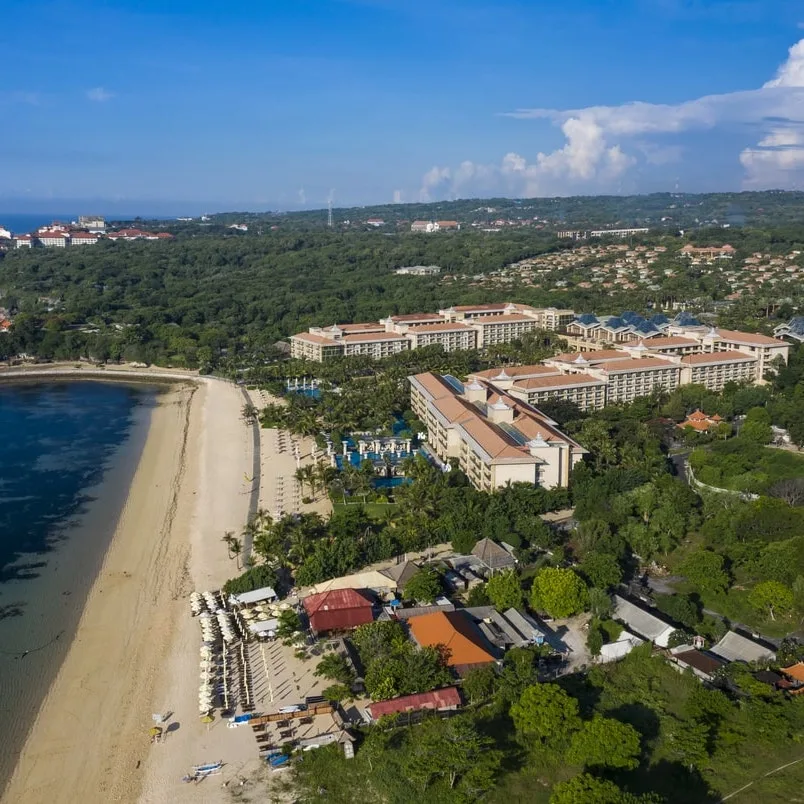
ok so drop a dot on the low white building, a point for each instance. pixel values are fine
(614, 651)
(736, 648)
(642, 622)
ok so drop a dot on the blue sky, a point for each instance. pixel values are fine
(212, 104)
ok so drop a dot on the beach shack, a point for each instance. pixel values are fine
(264, 595)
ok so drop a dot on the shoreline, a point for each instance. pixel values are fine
(69, 563)
(90, 733)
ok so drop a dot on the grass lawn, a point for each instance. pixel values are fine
(375, 510)
(743, 466)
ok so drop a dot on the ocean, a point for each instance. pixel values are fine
(69, 452)
(24, 223)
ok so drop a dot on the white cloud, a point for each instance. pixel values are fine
(603, 142)
(17, 96)
(99, 95)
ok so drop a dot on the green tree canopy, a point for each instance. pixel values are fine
(505, 590)
(704, 570)
(424, 586)
(545, 712)
(771, 598)
(602, 570)
(604, 742)
(558, 591)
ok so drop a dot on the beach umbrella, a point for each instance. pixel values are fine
(207, 719)
(155, 731)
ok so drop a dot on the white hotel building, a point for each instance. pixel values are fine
(454, 328)
(593, 380)
(495, 438)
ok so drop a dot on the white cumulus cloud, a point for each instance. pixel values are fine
(602, 143)
(99, 95)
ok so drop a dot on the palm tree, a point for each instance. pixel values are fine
(228, 538)
(236, 546)
(301, 477)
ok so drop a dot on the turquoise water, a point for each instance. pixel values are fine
(69, 451)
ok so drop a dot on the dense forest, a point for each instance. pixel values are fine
(668, 211)
(220, 302)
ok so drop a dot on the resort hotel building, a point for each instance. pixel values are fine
(594, 379)
(454, 328)
(495, 438)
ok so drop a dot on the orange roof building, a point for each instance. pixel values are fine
(700, 421)
(465, 645)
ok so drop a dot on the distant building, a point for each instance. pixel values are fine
(93, 223)
(418, 270)
(698, 420)
(794, 329)
(5, 233)
(23, 241)
(54, 239)
(726, 252)
(447, 226)
(83, 239)
(617, 232)
(422, 226)
(241, 227)
(375, 222)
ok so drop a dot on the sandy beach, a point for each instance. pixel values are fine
(135, 649)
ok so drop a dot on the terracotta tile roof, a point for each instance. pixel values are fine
(795, 671)
(434, 385)
(591, 357)
(456, 632)
(558, 381)
(369, 326)
(638, 364)
(441, 327)
(454, 409)
(370, 337)
(512, 372)
(404, 319)
(447, 698)
(467, 308)
(717, 357)
(507, 318)
(662, 342)
(749, 337)
(311, 337)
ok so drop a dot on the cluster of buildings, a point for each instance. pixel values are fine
(620, 267)
(460, 327)
(434, 226)
(613, 266)
(87, 231)
(646, 625)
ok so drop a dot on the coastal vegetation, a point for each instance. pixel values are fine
(219, 301)
(627, 733)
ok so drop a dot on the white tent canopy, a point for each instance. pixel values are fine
(257, 596)
(263, 626)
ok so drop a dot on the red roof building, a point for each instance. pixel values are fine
(338, 610)
(465, 644)
(700, 421)
(437, 701)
